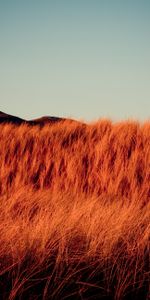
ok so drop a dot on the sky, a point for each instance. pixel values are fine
(79, 59)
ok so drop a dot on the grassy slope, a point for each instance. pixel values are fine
(75, 211)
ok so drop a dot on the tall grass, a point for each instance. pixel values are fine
(75, 211)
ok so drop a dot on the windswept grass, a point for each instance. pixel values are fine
(75, 211)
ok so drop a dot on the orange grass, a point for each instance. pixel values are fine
(75, 211)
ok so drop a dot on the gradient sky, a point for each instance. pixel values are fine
(80, 59)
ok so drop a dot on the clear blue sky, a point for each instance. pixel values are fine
(75, 58)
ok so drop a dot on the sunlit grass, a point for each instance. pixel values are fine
(75, 211)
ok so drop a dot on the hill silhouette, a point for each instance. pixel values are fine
(6, 118)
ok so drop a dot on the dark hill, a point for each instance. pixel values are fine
(6, 118)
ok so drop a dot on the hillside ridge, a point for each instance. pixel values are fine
(7, 118)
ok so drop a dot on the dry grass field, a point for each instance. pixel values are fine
(75, 211)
